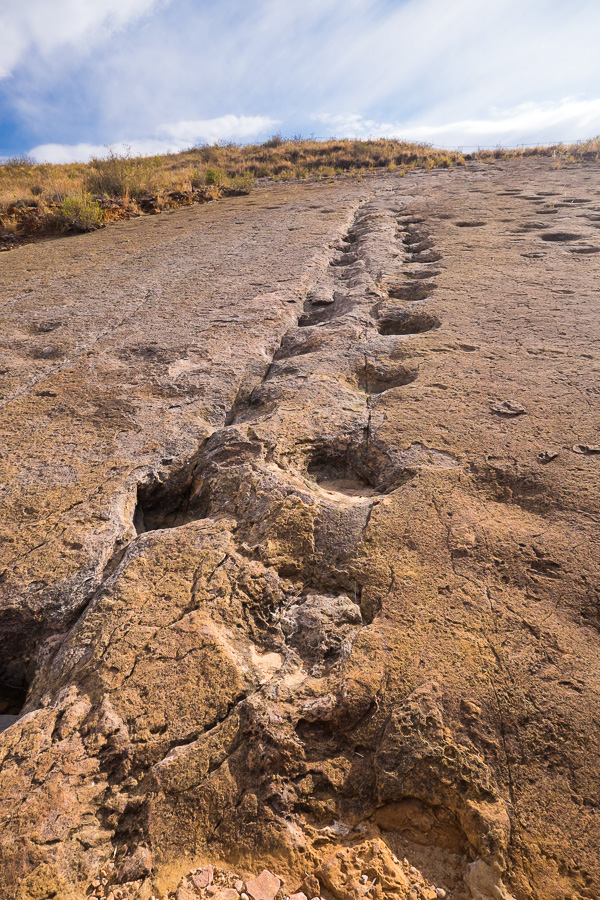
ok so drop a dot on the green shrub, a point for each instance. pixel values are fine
(244, 184)
(216, 177)
(77, 214)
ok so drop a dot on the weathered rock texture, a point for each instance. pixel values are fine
(300, 560)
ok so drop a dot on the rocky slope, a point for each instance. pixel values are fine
(300, 555)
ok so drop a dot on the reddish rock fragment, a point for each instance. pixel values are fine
(264, 887)
(203, 878)
(184, 893)
(227, 894)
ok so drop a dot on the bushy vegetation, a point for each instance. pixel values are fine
(584, 151)
(76, 214)
(121, 176)
(40, 199)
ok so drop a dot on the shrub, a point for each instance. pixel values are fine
(275, 141)
(215, 177)
(119, 175)
(243, 184)
(197, 179)
(20, 162)
(77, 214)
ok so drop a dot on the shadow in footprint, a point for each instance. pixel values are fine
(560, 237)
(427, 256)
(418, 246)
(345, 482)
(403, 322)
(422, 274)
(375, 377)
(320, 314)
(413, 291)
(470, 224)
(12, 700)
(346, 259)
(167, 504)
(342, 476)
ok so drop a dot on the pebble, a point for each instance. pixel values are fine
(441, 893)
(508, 408)
(412, 870)
(363, 879)
(546, 456)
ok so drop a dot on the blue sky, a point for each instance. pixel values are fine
(79, 75)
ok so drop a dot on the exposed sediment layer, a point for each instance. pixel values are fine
(301, 540)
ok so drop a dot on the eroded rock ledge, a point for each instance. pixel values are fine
(331, 620)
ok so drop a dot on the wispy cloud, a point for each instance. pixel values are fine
(170, 138)
(219, 129)
(108, 71)
(563, 121)
(48, 27)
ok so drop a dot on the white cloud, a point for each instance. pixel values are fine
(48, 26)
(222, 128)
(170, 138)
(528, 123)
(67, 153)
(464, 72)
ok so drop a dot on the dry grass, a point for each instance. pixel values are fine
(38, 200)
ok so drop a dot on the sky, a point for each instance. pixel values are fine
(80, 76)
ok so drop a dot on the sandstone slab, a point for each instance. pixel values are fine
(264, 887)
(300, 554)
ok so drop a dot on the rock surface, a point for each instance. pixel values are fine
(300, 556)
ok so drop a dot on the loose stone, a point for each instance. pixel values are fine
(264, 887)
